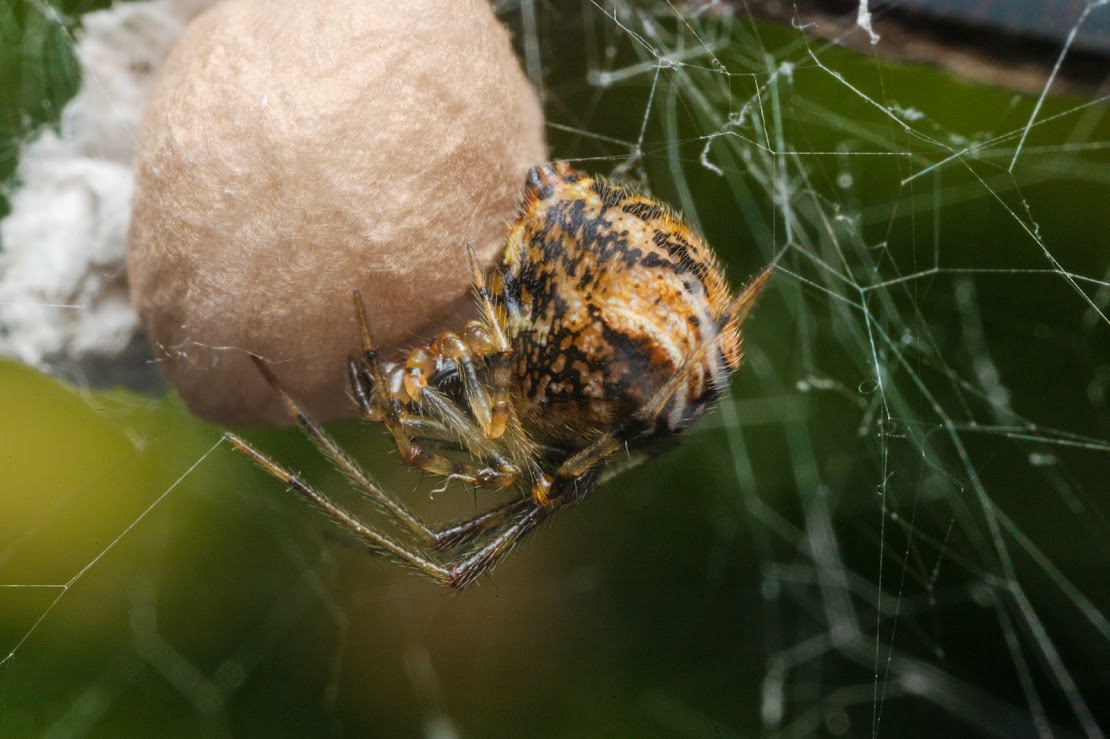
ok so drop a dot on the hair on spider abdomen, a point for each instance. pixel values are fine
(608, 324)
(608, 294)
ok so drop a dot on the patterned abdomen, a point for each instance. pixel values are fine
(607, 294)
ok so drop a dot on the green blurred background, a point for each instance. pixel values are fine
(897, 524)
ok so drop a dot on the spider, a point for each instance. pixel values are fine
(608, 327)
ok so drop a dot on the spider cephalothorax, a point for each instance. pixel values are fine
(607, 326)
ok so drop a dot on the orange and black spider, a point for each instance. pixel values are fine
(608, 327)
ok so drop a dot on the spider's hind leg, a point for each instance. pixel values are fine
(487, 538)
(376, 540)
(457, 534)
(468, 567)
(493, 538)
(338, 457)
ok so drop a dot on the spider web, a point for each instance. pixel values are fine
(895, 526)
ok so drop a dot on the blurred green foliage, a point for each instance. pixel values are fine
(38, 71)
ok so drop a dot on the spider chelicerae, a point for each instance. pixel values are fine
(606, 331)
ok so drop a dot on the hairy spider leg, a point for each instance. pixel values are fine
(393, 412)
(449, 430)
(499, 470)
(507, 525)
(508, 452)
(455, 535)
(444, 539)
(501, 351)
(423, 364)
(500, 536)
(423, 427)
(374, 539)
(470, 353)
(347, 465)
(363, 390)
(743, 303)
(473, 564)
(483, 340)
(420, 427)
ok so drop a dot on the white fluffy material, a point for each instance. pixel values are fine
(63, 290)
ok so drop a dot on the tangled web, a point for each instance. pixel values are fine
(899, 516)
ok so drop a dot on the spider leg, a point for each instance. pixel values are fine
(348, 466)
(374, 539)
(523, 516)
(475, 353)
(463, 532)
(581, 462)
(490, 408)
(472, 564)
(367, 382)
(363, 390)
(372, 393)
(512, 455)
(494, 469)
(451, 417)
(510, 523)
(492, 535)
(462, 351)
(500, 350)
(480, 341)
(431, 430)
(743, 303)
(508, 453)
(547, 489)
(420, 427)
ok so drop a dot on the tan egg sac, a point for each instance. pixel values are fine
(295, 151)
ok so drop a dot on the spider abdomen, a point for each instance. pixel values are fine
(607, 295)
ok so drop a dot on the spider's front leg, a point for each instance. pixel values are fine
(385, 396)
(481, 342)
(496, 347)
